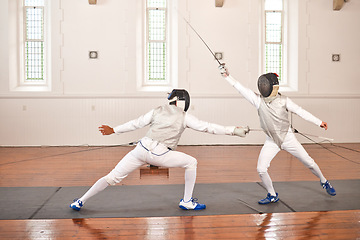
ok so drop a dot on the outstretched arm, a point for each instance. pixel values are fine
(202, 126)
(293, 107)
(132, 125)
(247, 93)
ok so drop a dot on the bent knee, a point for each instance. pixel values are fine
(310, 164)
(261, 170)
(114, 177)
(192, 164)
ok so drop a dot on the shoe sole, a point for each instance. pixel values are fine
(269, 202)
(184, 208)
(75, 208)
(332, 194)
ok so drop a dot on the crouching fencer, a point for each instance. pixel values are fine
(273, 110)
(167, 123)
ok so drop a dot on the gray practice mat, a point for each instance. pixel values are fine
(162, 200)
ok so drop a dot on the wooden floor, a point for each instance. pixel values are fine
(82, 166)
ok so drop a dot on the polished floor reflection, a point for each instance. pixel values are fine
(303, 225)
(70, 166)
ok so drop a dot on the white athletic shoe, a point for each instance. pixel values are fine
(76, 205)
(192, 204)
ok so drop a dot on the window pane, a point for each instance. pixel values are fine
(157, 25)
(34, 40)
(273, 5)
(156, 40)
(273, 59)
(34, 23)
(156, 3)
(34, 61)
(273, 27)
(157, 61)
(34, 2)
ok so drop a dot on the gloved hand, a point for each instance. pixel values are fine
(224, 70)
(106, 130)
(241, 131)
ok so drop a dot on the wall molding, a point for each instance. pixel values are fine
(163, 96)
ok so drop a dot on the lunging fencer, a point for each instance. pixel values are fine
(273, 110)
(167, 123)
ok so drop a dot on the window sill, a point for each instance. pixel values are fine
(32, 88)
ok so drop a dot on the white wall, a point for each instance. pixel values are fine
(87, 93)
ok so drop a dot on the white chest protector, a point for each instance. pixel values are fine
(274, 118)
(167, 125)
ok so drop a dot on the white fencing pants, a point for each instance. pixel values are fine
(292, 146)
(159, 156)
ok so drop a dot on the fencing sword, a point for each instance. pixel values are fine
(254, 129)
(251, 129)
(92, 148)
(306, 135)
(295, 131)
(199, 36)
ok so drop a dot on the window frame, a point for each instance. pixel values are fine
(281, 64)
(149, 81)
(17, 23)
(279, 43)
(172, 50)
(25, 80)
(290, 45)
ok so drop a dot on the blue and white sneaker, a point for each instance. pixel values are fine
(269, 199)
(329, 189)
(77, 204)
(192, 204)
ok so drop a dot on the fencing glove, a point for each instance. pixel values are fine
(241, 131)
(224, 70)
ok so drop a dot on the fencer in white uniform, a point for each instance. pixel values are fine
(158, 147)
(273, 110)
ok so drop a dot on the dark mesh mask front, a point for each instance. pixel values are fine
(266, 83)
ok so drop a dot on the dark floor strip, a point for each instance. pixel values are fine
(47, 200)
(290, 208)
(251, 207)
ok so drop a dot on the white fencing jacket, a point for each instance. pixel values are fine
(168, 122)
(274, 115)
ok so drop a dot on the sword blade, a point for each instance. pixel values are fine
(199, 36)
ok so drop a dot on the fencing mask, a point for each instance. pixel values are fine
(179, 94)
(268, 84)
